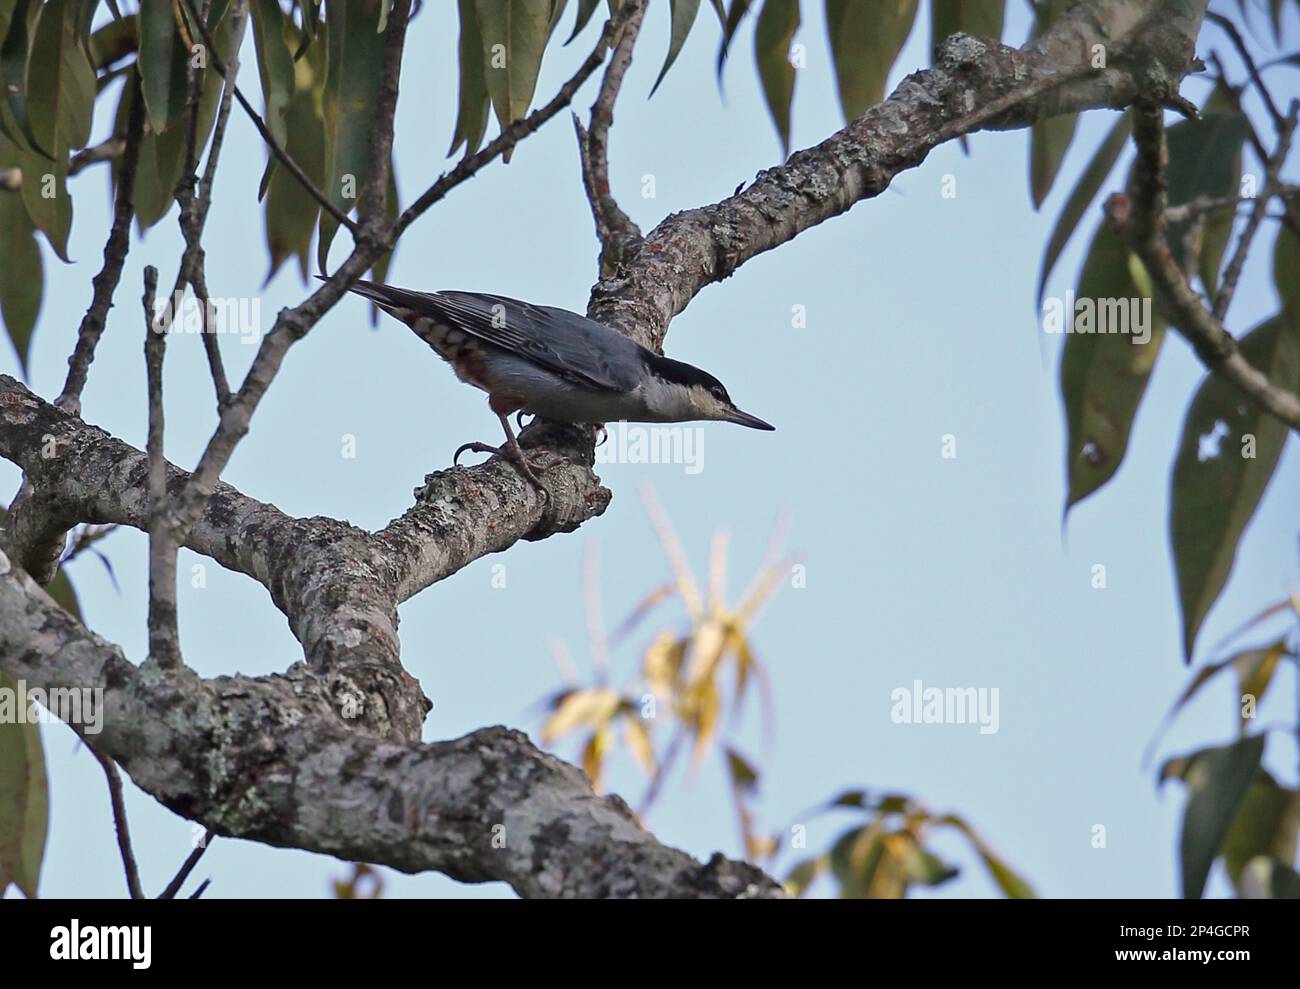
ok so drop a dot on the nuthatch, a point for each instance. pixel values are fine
(553, 363)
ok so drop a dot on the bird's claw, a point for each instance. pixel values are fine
(522, 464)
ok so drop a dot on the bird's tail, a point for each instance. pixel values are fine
(403, 303)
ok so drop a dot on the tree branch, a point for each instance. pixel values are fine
(119, 822)
(191, 860)
(1141, 221)
(1151, 43)
(617, 233)
(268, 760)
(1272, 169)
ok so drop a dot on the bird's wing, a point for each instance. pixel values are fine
(572, 346)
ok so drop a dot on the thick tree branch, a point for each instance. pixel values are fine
(338, 586)
(695, 248)
(268, 759)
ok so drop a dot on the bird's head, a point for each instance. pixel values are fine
(680, 392)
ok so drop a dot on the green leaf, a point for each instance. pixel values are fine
(982, 19)
(1266, 824)
(865, 41)
(1286, 272)
(1205, 160)
(514, 39)
(854, 858)
(1217, 779)
(21, 274)
(163, 64)
(151, 200)
(1228, 452)
(585, 9)
(1104, 375)
(471, 118)
(44, 192)
(24, 801)
(744, 775)
(736, 13)
(355, 66)
(803, 875)
(275, 65)
(1084, 193)
(291, 211)
(922, 866)
(16, 21)
(1255, 669)
(162, 155)
(115, 41)
(1049, 139)
(1266, 878)
(60, 82)
(1011, 884)
(683, 18)
(61, 590)
(777, 23)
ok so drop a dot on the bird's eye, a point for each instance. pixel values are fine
(718, 392)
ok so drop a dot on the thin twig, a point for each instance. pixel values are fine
(1272, 168)
(617, 233)
(1140, 219)
(119, 820)
(115, 251)
(280, 153)
(187, 867)
(164, 647)
(194, 197)
(1291, 209)
(1208, 204)
(510, 136)
(104, 151)
(295, 323)
(1239, 43)
(371, 239)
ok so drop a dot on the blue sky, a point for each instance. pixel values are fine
(957, 572)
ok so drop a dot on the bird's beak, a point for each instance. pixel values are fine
(745, 419)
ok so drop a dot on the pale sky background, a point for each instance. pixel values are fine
(921, 322)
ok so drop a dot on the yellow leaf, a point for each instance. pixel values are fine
(703, 717)
(592, 706)
(662, 663)
(707, 650)
(638, 740)
(593, 755)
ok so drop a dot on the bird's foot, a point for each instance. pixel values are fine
(528, 469)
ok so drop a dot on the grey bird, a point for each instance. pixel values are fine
(553, 363)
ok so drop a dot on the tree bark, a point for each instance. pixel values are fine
(327, 757)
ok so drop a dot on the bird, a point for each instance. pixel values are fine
(553, 363)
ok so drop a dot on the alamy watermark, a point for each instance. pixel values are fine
(84, 706)
(634, 443)
(239, 316)
(1088, 315)
(921, 705)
